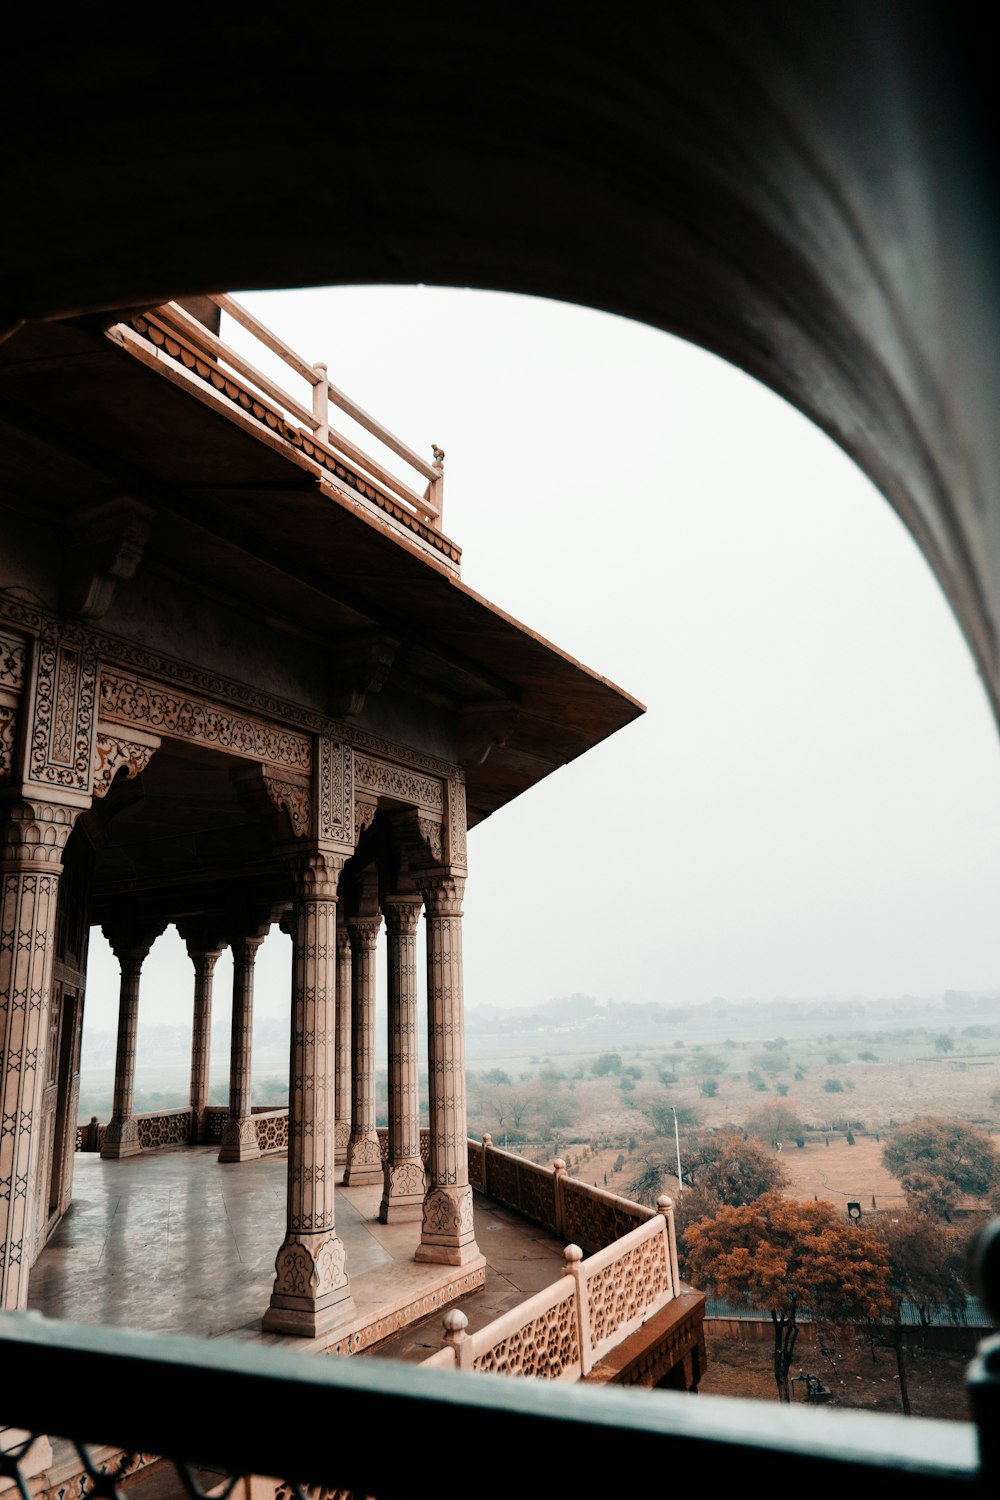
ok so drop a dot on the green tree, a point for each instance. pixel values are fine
(943, 1042)
(710, 1087)
(608, 1062)
(787, 1257)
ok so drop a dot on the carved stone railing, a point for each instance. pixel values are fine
(167, 1127)
(562, 1332)
(198, 354)
(589, 1216)
(271, 1126)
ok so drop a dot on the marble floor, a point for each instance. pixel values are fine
(171, 1241)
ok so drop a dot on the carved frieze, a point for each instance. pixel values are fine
(131, 701)
(112, 754)
(397, 781)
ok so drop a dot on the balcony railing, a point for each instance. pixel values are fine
(302, 420)
(565, 1330)
(378, 1429)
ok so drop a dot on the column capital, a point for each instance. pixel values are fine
(131, 937)
(364, 931)
(402, 916)
(202, 936)
(36, 833)
(317, 871)
(442, 892)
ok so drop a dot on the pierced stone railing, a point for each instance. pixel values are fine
(271, 1126)
(167, 1127)
(425, 1144)
(565, 1330)
(590, 1216)
(193, 348)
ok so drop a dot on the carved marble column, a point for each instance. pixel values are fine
(311, 1289)
(130, 943)
(34, 838)
(239, 1134)
(204, 951)
(364, 1157)
(447, 1235)
(403, 1193)
(342, 1053)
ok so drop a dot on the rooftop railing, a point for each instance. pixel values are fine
(302, 417)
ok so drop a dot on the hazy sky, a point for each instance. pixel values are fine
(811, 804)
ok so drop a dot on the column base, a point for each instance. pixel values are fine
(403, 1195)
(121, 1139)
(448, 1237)
(342, 1135)
(312, 1293)
(239, 1141)
(364, 1160)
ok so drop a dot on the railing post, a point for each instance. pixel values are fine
(434, 493)
(665, 1206)
(456, 1338)
(321, 404)
(573, 1256)
(559, 1178)
(487, 1147)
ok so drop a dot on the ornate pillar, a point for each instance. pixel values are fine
(342, 1051)
(447, 1235)
(239, 1134)
(403, 1194)
(204, 950)
(34, 838)
(311, 1289)
(364, 1156)
(130, 942)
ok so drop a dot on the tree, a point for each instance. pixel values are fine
(775, 1122)
(937, 1159)
(608, 1062)
(717, 1167)
(710, 1087)
(925, 1267)
(790, 1257)
(944, 1043)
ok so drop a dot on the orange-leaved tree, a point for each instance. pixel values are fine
(790, 1258)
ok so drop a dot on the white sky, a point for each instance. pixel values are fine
(811, 805)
